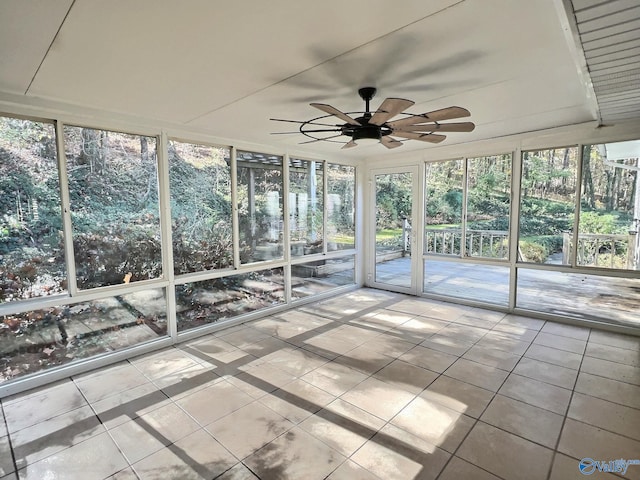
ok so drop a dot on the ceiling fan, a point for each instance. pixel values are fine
(377, 125)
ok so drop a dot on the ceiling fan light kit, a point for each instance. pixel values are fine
(376, 126)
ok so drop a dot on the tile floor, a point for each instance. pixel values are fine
(368, 385)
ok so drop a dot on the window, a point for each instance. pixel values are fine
(319, 276)
(260, 206)
(443, 207)
(202, 303)
(547, 205)
(200, 184)
(306, 209)
(32, 261)
(341, 184)
(113, 188)
(608, 234)
(488, 206)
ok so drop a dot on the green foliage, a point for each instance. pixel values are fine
(533, 252)
(594, 222)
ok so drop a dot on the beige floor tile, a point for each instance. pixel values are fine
(151, 432)
(514, 332)
(477, 374)
(355, 415)
(38, 441)
(613, 354)
(237, 472)
(294, 455)
(522, 321)
(464, 333)
(395, 454)
(428, 358)
(474, 321)
(6, 458)
(97, 457)
(492, 357)
(612, 339)
(564, 330)
(567, 468)
(495, 450)
(31, 408)
(297, 400)
(248, 429)
(165, 362)
(434, 423)
(10, 476)
(390, 346)
(296, 361)
(611, 370)
(459, 396)
(502, 342)
(335, 378)
(446, 344)
(538, 394)
(378, 398)
(244, 337)
(417, 329)
(110, 381)
(580, 440)
(194, 457)
(126, 474)
(328, 347)
(130, 404)
(364, 359)
(561, 343)
(187, 381)
(533, 423)
(209, 404)
(338, 431)
(606, 415)
(406, 376)
(459, 469)
(266, 377)
(612, 390)
(546, 372)
(554, 356)
(350, 470)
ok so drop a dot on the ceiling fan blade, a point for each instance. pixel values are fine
(389, 142)
(349, 144)
(448, 113)
(305, 121)
(389, 109)
(335, 112)
(424, 137)
(438, 127)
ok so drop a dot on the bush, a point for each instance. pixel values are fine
(533, 252)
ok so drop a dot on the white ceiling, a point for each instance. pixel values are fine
(227, 67)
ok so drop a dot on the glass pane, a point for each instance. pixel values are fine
(590, 297)
(306, 208)
(113, 185)
(472, 281)
(610, 206)
(547, 205)
(202, 303)
(488, 206)
(341, 187)
(40, 339)
(260, 206)
(443, 207)
(394, 196)
(200, 179)
(316, 277)
(32, 262)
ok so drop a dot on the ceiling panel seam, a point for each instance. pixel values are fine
(49, 47)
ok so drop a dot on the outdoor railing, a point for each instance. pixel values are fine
(479, 243)
(601, 250)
